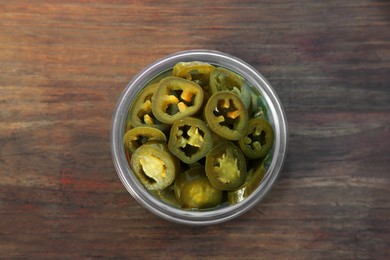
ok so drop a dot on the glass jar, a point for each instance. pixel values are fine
(276, 117)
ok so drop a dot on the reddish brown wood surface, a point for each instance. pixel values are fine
(64, 65)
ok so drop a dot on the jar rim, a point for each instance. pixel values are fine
(221, 214)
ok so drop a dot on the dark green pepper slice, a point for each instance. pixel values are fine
(190, 139)
(137, 136)
(251, 183)
(193, 190)
(176, 98)
(167, 195)
(222, 79)
(255, 110)
(141, 110)
(226, 115)
(226, 166)
(196, 71)
(155, 167)
(258, 139)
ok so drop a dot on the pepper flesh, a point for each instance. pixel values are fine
(196, 71)
(226, 166)
(255, 110)
(258, 138)
(154, 166)
(252, 181)
(222, 79)
(193, 190)
(176, 98)
(190, 139)
(226, 115)
(167, 195)
(137, 136)
(141, 110)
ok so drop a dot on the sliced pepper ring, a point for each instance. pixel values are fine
(167, 195)
(193, 190)
(252, 181)
(222, 79)
(196, 71)
(176, 98)
(226, 166)
(258, 138)
(226, 115)
(138, 136)
(154, 166)
(141, 110)
(190, 139)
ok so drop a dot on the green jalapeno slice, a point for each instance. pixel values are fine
(190, 139)
(252, 181)
(193, 190)
(141, 110)
(196, 71)
(137, 136)
(255, 110)
(154, 166)
(167, 195)
(222, 79)
(258, 138)
(226, 166)
(226, 115)
(176, 98)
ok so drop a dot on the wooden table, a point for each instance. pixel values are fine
(64, 65)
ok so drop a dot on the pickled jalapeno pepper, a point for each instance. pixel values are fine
(226, 115)
(255, 110)
(140, 135)
(190, 139)
(196, 71)
(222, 79)
(194, 190)
(258, 138)
(167, 195)
(252, 181)
(155, 167)
(176, 98)
(141, 111)
(226, 166)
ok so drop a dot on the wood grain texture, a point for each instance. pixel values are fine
(64, 65)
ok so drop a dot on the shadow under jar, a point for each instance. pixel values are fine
(234, 201)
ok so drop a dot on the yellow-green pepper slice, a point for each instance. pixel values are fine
(193, 190)
(167, 195)
(141, 109)
(176, 98)
(190, 139)
(226, 115)
(255, 110)
(196, 71)
(154, 166)
(226, 166)
(258, 138)
(222, 79)
(252, 181)
(138, 136)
